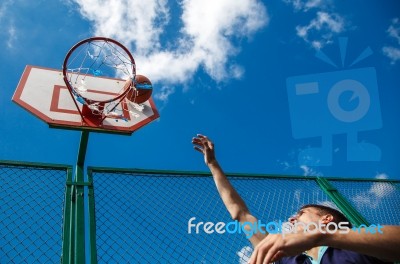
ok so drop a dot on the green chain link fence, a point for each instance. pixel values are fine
(377, 201)
(141, 216)
(32, 202)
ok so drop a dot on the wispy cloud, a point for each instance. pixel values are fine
(295, 166)
(321, 29)
(394, 30)
(373, 197)
(393, 51)
(12, 36)
(164, 93)
(308, 171)
(3, 8)
(206, 38)
(299, 5)
(7, 24)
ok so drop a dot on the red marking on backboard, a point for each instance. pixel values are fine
(55, 101)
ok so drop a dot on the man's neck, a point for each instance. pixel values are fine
(313, 252)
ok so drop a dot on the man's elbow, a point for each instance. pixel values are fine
(240, 215)
(235, 216)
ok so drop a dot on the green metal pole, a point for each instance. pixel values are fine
(352, 214)
(72, 225)
(79, 201)
(92, 219)
(66, 247)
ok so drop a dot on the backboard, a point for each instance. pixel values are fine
(42, 91)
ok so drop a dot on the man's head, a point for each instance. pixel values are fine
(319, 213)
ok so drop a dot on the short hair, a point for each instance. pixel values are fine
(322, 209)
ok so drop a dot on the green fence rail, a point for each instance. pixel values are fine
(141, 216)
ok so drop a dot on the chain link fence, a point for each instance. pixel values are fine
(377, 201)
(32, 201)
(138, 216)
(142, 217)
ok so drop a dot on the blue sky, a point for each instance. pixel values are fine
(222, 68)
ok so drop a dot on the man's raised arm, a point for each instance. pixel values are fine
(232, 200)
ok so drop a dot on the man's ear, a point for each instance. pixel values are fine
(325, 219)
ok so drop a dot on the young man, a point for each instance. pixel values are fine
(300, 247)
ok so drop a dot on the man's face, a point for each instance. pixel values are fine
(306, 215)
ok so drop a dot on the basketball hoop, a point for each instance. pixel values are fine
(102, 58)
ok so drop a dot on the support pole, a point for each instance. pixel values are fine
(352, 214)
(79, 201)
(67, 225)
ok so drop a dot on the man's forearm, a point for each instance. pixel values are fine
(383, 245)
(232, 200)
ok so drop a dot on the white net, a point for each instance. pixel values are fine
(95, 61)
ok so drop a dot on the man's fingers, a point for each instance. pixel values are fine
(253, 257)
(203, 138)
(264, 251)
(269, 254)
(202, 142)
(278, 256)
(261, 257)
(256, 253)
(197, 141)
(198, 149)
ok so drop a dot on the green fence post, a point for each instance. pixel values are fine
(92, 219)
(352, 214)
(79, 201)
(72, 225)
(66, 246)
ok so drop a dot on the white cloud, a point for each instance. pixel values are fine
(286, 165)
(323, 26)
(6, 22)
(299, 5)
(393, 51)
(394, 30)
(12, 36)
(129, 21)
(381, 176)
(372, 198)
(321, 29)
(205, 39)
(380, 190)
(164, 93)
(307, 171)
(3, 8)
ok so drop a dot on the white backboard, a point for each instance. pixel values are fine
(43, 92)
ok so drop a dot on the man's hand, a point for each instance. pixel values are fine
(276, 246)
(204, 145)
